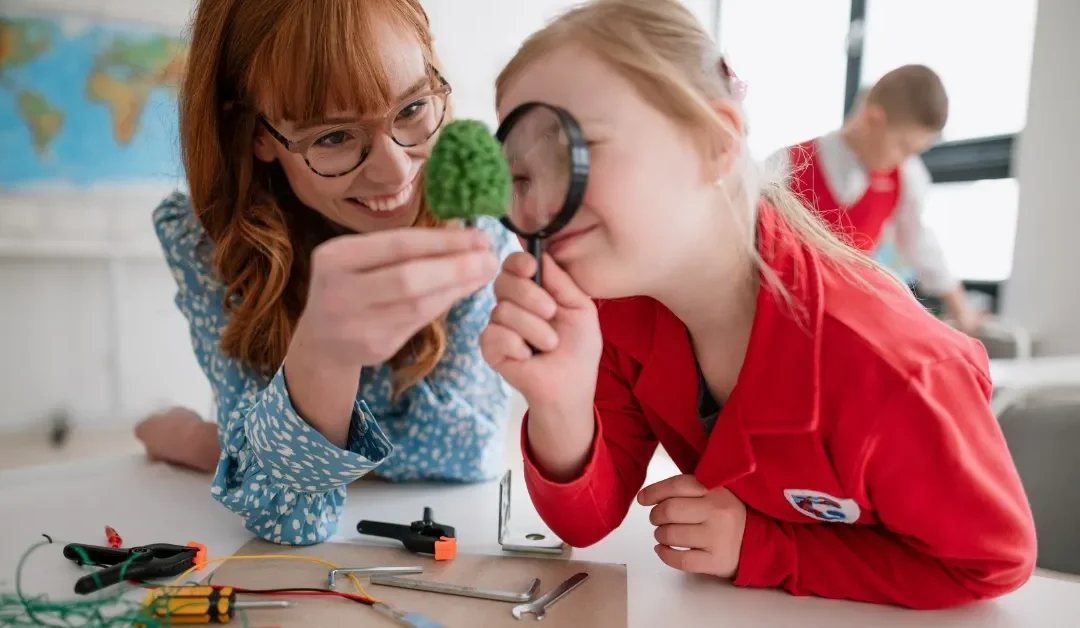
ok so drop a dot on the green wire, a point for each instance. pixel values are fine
(104, 610)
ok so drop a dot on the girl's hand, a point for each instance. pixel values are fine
(560, 321)
(708, 524)
(371, 293)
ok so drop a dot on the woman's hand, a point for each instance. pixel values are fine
(179, 436)
(708, 525)
(369, 295)
(559, 380)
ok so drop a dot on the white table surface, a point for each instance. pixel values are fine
(150, 503)
(1063, 370)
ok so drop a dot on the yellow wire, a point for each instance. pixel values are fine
(221, 559)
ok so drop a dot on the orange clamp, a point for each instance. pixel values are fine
(200, 555)
(445, 548)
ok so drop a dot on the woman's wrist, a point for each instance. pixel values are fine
(321, 389)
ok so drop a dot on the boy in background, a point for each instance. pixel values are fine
(867, 177)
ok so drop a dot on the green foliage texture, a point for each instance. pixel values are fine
(467, 174)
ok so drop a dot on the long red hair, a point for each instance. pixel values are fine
(288, 60)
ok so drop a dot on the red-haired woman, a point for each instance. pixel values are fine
(336, 319)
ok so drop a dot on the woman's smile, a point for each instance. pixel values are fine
(385, 206)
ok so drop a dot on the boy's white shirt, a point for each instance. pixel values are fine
(848, 181)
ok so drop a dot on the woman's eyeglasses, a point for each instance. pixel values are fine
(340, 149)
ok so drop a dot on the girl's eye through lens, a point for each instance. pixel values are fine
(523, 210)
(537, 147)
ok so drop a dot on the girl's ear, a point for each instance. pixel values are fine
(264, 149)
(726, 145)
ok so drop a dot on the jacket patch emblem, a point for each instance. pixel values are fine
(822, 506)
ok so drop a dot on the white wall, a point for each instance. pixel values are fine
(1043, 293)
(473, 61)
(87, 322)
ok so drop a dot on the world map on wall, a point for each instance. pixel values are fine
(85, 102)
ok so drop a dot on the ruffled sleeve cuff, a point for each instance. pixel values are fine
(299, 456)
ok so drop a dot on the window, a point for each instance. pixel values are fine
(986, 66)
(792, 55)
(804, 62)
(975, 221)
(984, 57)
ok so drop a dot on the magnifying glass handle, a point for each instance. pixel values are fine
(536, 249)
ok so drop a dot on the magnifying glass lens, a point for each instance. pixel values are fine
(538, 151)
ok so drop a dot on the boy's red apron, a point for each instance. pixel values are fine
(861, 222)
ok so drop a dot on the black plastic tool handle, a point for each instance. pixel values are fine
(381, 528)
(95, 554)
(419, 544)
(103, 578)
(115, 561)
(107, 577)
(146, 562)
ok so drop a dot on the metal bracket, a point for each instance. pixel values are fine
(531, 543)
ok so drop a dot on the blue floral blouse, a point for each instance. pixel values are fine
(285, 478)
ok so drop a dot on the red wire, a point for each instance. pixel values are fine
(349, 596)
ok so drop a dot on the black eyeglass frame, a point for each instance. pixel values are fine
(578, 155)
(386, 125)
(580, 164)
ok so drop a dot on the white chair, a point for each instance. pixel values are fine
(1005, 342)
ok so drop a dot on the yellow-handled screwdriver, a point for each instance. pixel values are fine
(196, 604)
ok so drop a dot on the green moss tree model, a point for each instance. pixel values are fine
(467, 174)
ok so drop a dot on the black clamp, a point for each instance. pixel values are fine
(423, 537)
(147, 562)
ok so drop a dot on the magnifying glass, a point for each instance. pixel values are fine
(549, 165)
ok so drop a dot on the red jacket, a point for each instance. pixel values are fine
(861, 222)
(859, 435)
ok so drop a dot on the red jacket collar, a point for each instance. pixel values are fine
(777, 390)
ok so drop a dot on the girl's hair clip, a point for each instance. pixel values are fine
(735, 84)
